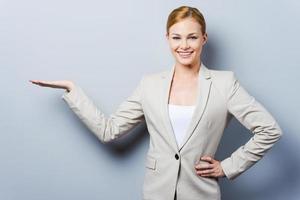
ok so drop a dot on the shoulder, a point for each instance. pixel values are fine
(221, 75)
(154, 77)
(223, 81)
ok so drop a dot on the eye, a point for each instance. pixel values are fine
(194, 37)
(175, 38)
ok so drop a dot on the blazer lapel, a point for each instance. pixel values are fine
(168, 76)
(204, 84)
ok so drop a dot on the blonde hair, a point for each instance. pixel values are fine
(184, 12)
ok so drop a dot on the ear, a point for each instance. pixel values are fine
(205, 37)
(167, 36)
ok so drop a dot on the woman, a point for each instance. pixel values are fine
(186, 110)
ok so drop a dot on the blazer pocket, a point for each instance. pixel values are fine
(151, 163)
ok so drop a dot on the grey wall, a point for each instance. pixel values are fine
(104, 46)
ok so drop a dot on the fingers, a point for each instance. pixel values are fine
(39, 82)
(210, 169)
(62, 84)
(208, 159)
(53, 84)
(33, 81)
(204, 166)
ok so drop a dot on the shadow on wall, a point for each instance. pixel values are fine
(125, 145)
(275, 176)
(128, 143)
(210, 53)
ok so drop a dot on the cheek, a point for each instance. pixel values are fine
(174, 45)
(196, 46)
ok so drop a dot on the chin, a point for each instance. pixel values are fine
(185, 61)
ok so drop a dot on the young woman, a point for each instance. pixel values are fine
(186, 110)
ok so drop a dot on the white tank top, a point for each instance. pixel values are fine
(180, 117)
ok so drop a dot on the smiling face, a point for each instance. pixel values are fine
(186, 41)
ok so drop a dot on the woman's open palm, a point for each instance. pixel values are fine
(63, 84)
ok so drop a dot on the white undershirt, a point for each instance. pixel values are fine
(180, 117)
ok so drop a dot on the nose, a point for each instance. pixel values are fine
(184, 44)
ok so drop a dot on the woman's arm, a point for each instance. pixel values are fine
(128, 114)
(258, 120)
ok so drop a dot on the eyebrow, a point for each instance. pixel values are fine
(179, 34)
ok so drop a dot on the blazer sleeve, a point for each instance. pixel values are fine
(127, 115)
(251, 114)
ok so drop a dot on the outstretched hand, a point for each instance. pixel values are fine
(68, 85)
(211, 168)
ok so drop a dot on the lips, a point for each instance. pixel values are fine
(185, 54)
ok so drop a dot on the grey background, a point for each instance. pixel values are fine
(104, 46)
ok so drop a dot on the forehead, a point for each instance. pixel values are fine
(185, 27)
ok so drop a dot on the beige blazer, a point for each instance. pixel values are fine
(169, 167)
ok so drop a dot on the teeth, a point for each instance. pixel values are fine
(185, 53)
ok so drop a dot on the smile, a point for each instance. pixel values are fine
(185, 54)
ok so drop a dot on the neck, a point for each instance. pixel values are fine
(187, 71)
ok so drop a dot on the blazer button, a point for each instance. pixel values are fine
(176, 156)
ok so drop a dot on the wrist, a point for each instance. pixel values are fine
(70, 86)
